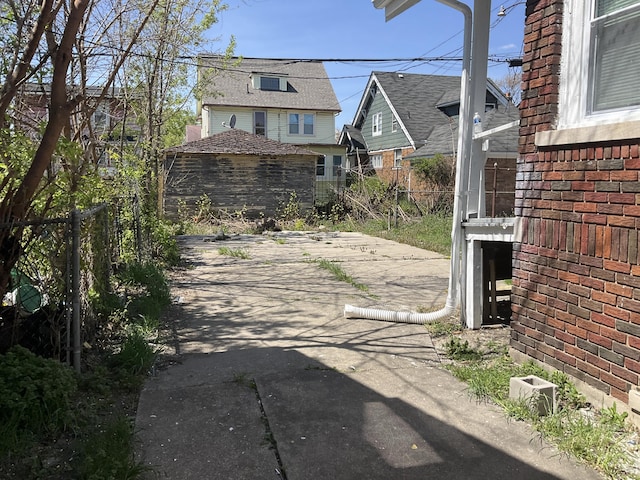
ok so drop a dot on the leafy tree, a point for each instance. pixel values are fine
(159, 78)
(436, 170)
(76, 54)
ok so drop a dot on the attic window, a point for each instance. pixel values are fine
(270, 83)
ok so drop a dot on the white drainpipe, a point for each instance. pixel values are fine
(459, 204)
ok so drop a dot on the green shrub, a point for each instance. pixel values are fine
(459, 350)
(136, 356)
(165, 247)
(35, 395)
(148, 292)
(438, 170)
(149, 278)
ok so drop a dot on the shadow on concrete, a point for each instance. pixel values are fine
(202, 419)
(271, 378)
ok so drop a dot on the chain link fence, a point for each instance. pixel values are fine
(64, 264)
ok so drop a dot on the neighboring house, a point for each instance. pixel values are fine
(576, 261)
(502, 151)
(238, 171)
(357, 155)
(288, 101)
(401, 112)
(98, 128)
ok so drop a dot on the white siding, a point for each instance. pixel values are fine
(277, 124)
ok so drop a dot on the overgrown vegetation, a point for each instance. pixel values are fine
(234, 252)
(595, 437)
(338, 272)
(88, 417)
(367, 206)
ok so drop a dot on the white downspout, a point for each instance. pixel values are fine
(459, 204)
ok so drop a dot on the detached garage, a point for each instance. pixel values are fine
(238, 170)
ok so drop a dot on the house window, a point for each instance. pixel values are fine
(337, 164)
(100, 117)
(320, 167)
(304, 123)
(260, 123)
(394, 124)
(376, 124)
(270, 83)
(376, 161)
(615, 48)
(599, 69)
(397, 158)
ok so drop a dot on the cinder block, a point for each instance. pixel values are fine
(535, 389)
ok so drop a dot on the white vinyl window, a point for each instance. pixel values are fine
(337, 165)
(376, 161)
(615, 50)
(260, 123)
(600, 62)
(376, 124)
(301, 124)
(397, 158)
(394, 124)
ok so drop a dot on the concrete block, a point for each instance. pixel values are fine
(535, 389)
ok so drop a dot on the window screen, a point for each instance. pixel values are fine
(615, 50)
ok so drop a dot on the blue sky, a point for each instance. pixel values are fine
(349, 29)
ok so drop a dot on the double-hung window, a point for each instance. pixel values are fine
(600, 62)
(337, 165)
(615, 53)
(301, 124)
(376, 124)
(397, 158)
(376, 160)
(320, 166)
(260, 123)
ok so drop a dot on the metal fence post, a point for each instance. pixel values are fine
(75, 288)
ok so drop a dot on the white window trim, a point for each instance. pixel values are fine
(322, 160)
(376, 124)
(375, 164)
(336, 168)
(575, 75)
(301, 124)
(397, 158)
(394, 123)
(265, 122)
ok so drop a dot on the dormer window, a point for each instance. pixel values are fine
(270, 83)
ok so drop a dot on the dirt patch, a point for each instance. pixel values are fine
(489, 340)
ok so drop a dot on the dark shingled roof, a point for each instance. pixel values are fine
(357, 140)
(239, 142)
(309, 85)
(444, 137)
(414, 97)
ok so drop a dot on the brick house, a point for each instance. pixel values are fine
(576, 269)
(403, 116)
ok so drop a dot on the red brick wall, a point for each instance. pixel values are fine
(576, 278)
